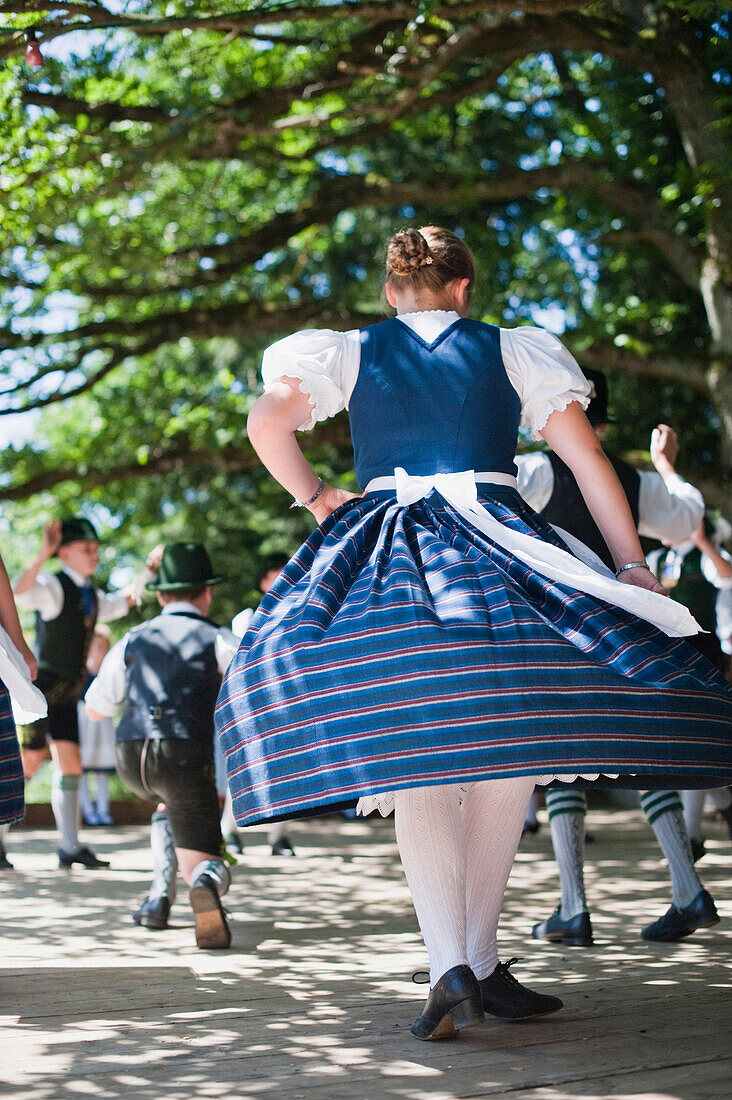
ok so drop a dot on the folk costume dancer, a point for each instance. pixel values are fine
(664, 507)
(67, 608)
(695, 572)
(17, 668)
(434, 646)
(165, 675)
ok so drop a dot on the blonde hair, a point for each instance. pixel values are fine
(427, 259)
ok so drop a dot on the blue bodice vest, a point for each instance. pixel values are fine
(432, 408)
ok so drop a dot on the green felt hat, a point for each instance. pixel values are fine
(184, 565)
(77, 529)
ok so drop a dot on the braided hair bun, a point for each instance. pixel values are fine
(408, 251)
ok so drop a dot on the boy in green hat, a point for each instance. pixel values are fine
(165, 675)
(67, 608)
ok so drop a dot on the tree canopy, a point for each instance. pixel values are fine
(182, 183)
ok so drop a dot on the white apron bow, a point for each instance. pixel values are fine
(460, 491)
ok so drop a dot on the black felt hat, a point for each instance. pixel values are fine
(596, 411)
(184, 565)
(77, 529)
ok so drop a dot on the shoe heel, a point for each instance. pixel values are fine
(576, 941)
(467, 1012)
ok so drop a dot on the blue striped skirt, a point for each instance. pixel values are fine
(12, 806)
(400, 648)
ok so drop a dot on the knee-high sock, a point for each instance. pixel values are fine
(65, 806)
(493, 817)
(666, 818)
(101, 796)
(275, 832)
(693, 803)
(165, 861)
(431, 839)
(3, 836)
(567, 811)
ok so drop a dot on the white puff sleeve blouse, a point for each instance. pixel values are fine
(544, 374)
(541, 370)
(325, 362)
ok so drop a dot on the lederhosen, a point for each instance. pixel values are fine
(63, 645)
(692, 589)
(165, 734)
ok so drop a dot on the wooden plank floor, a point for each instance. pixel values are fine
(314, 999)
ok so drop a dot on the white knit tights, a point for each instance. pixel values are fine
(457, 860)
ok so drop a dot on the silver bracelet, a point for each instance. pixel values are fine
(632, 565)
(313, 498)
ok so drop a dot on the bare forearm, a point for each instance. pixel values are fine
(27, 579)
(609, 507)
(271, 426)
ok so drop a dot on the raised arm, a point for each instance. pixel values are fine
(49, 546)
(571, 436)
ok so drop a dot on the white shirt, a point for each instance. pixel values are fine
(46, 596)
(667, 510)
(541, 370)
(107, 691)
(676, 557)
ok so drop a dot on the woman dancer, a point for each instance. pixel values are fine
(434, 646)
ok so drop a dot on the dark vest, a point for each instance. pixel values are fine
(432, 408)
(63, 642)
(171, 680)
(566, 507)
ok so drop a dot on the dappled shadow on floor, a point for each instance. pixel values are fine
(315, 998)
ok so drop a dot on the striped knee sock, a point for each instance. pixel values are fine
(165, 862)
(666, 817)
(566, 810)
(65, 806)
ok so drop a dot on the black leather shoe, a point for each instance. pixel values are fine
(677, 923)
(454, 1003)
(697, 848)
(212, 931)
(283, 847)
(153, 913)
(5, 864)
(85, 857)
(575, 932)
(504, 996)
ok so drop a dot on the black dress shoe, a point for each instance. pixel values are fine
(5, 864)
(212, 931)
(283, 847)
(575, 932)
(531, 827)
(85, 857)
(504, 996)
(153, 913)
(697, 848)
(454, 1003)
(677, 923)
